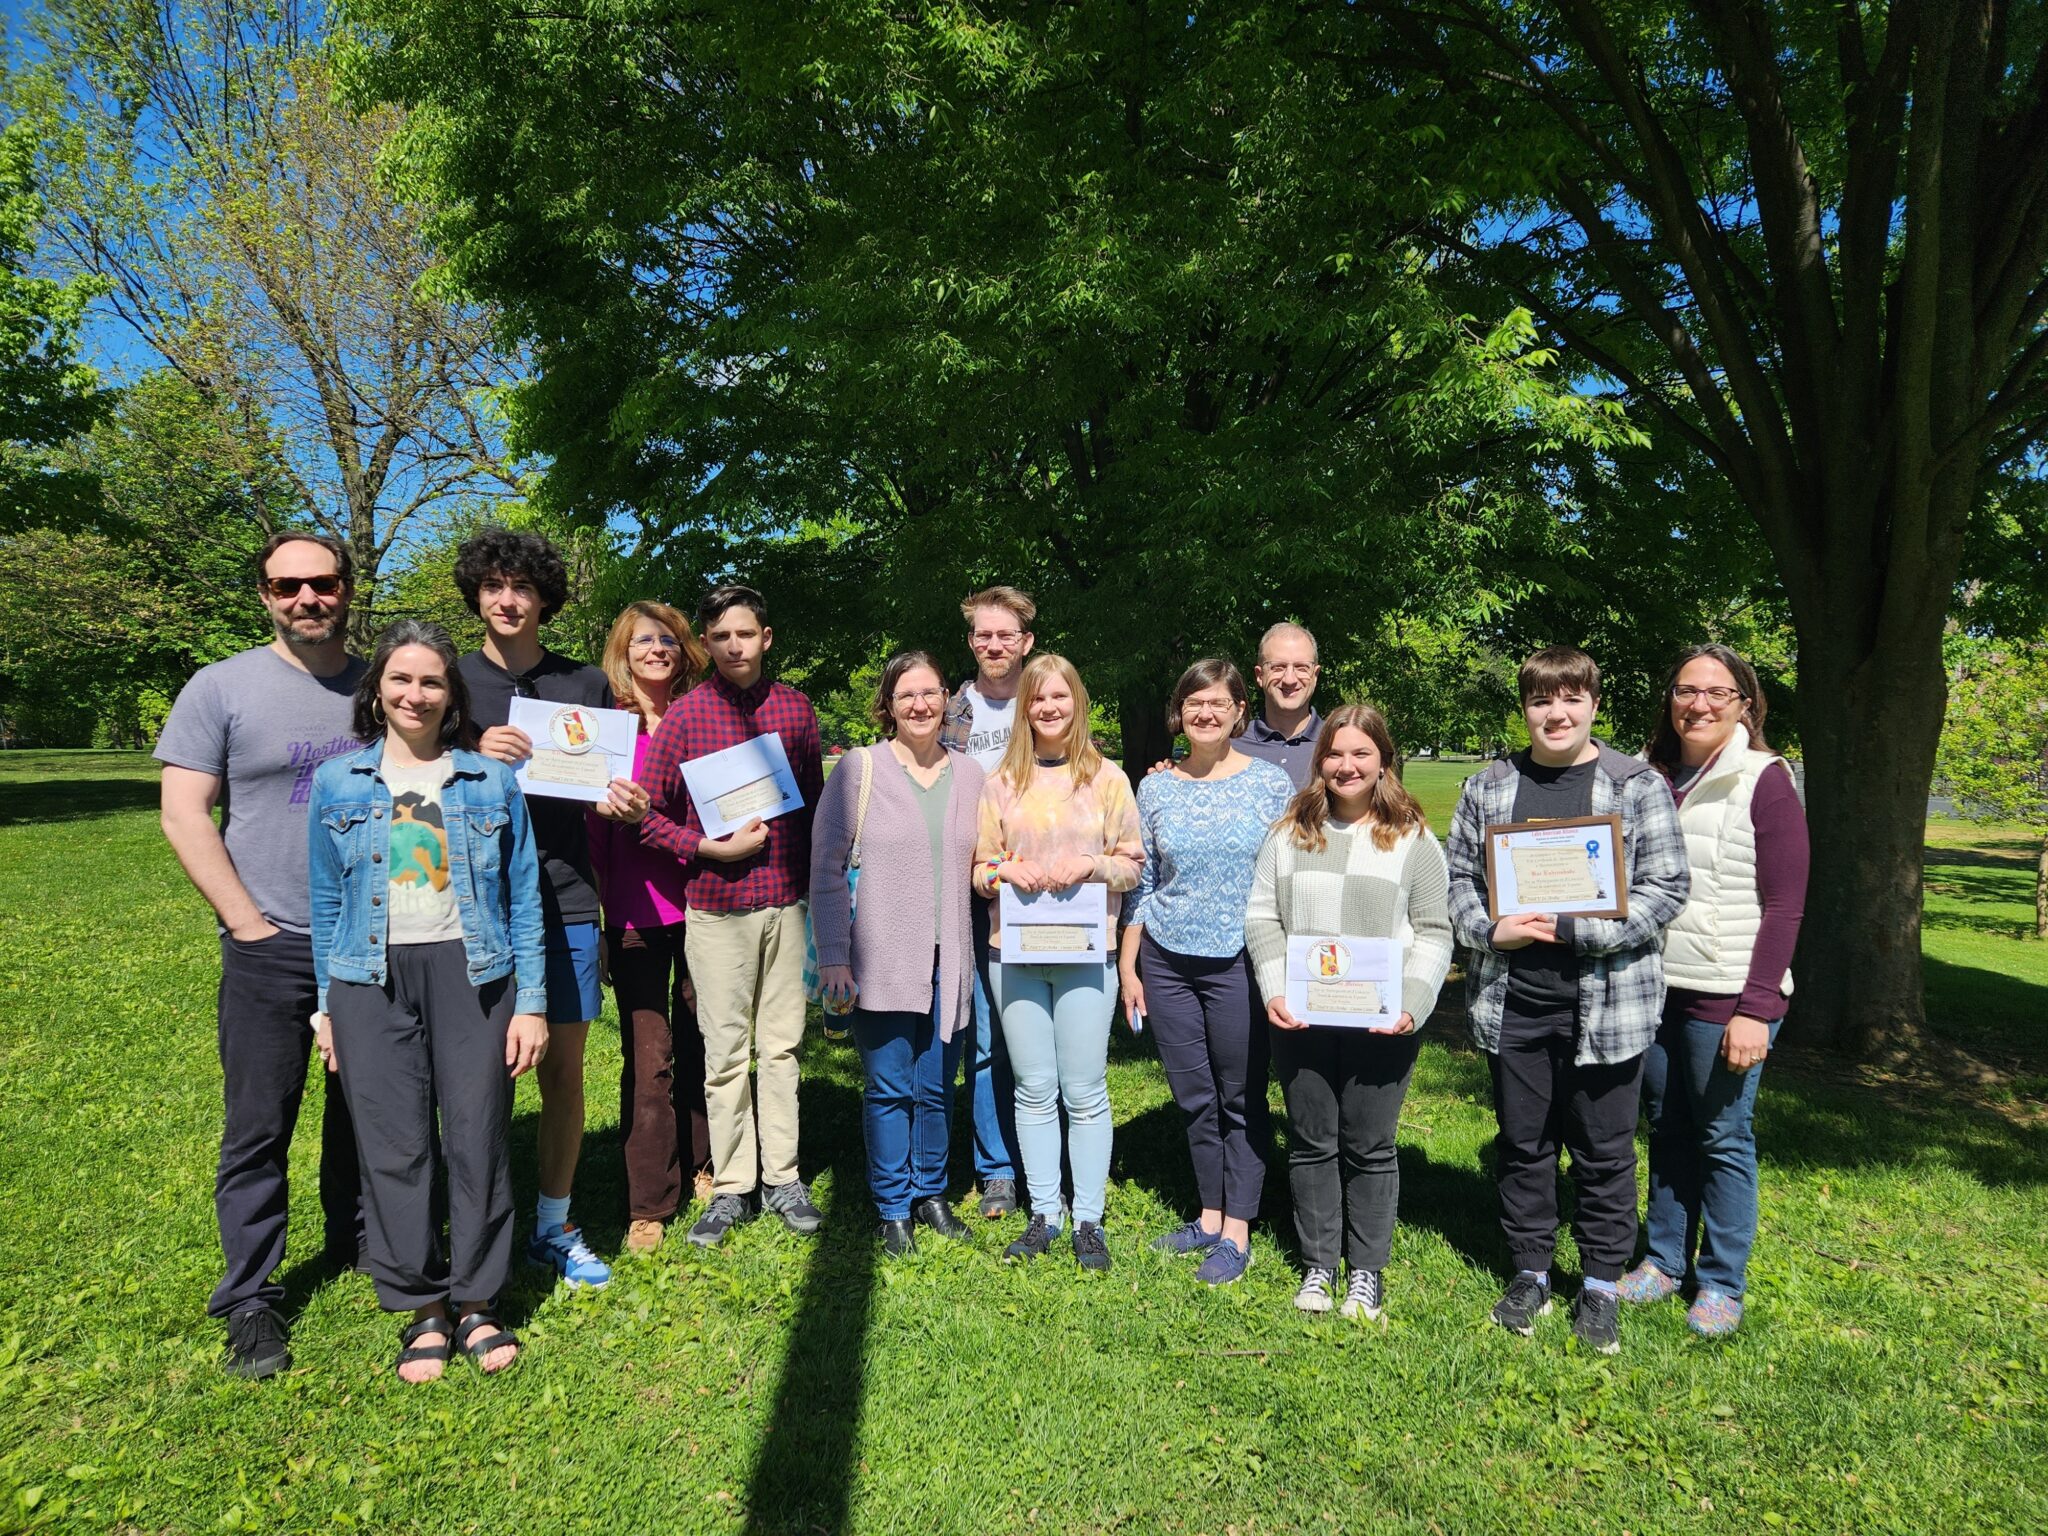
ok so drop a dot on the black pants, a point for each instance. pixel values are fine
(427, 1039)
(661, 1083)
(1212, 1042)
(1544, 1100)
(267, 994)
(1344, 1090)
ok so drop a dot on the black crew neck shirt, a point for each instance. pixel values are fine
(1543, 979)
(568, 889)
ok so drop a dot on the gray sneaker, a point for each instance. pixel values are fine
(792, 1202)
(723, 1214)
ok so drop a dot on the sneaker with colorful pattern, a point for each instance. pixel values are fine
(1646, 1283)
(1714, 1314)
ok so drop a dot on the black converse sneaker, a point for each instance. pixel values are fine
(1364, 1297)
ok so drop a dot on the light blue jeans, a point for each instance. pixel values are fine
(1056, 1024)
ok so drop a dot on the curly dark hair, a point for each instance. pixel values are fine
(515, 557)
(457, 728)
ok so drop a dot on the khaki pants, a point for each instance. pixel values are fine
(749, 972)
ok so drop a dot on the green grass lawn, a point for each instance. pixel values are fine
(1891, 1377)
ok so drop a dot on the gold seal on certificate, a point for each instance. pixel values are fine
(1571, 867)
(1344, 981)
(572, 730)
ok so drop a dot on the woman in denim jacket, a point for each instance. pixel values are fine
(427, 950)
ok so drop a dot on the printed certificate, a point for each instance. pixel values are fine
(1344, 982)
(1069, 927)
(577, 750)
(1572, 867)
(732, 787)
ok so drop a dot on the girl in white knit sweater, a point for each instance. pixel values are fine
(1352, 857)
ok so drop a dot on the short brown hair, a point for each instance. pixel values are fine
(892, 674)
(1017, 601)
(1205, 673)
(344, 558)
(1558, 669)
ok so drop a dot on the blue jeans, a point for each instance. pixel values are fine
(1056, 1022)
(991, 1085)
(906, 1111)
(1702, 1155)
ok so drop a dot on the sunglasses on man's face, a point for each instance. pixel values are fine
(285, 588)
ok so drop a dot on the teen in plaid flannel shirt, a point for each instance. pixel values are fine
(1567, 1072)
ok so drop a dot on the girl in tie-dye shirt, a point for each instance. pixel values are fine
(1054, 815)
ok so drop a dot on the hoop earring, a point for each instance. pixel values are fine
(377, 710)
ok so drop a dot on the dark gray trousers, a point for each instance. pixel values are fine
(1212, 1042)
(1344, 1090)
(267, 993)
(423, 1041)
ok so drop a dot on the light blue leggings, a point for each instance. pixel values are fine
(1056, 1023)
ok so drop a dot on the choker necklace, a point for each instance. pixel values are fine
(1051, 762)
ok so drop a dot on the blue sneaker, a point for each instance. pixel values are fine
(1187, 1238)
(1225, 1264)
(569, 1256)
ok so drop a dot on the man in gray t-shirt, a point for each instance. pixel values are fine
(244, 738)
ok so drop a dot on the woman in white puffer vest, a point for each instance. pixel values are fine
(1727, 962)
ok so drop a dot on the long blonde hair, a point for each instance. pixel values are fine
(1077, 746)
(619, 671)
(1391, 811)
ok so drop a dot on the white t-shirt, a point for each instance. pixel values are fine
(989, 736)
(423, 909)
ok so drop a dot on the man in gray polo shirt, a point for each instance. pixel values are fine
(244, 737)
(1284, 730)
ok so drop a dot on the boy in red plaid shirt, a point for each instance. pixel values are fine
(745, 934)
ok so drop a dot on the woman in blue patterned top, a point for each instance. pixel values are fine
(1183, 963)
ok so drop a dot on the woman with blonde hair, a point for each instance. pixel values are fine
(1056, 814)
(650, 658)
(1352, 857)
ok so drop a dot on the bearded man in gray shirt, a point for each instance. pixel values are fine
(244, 738)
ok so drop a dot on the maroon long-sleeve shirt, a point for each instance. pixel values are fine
(1783, 857)
(709, 718)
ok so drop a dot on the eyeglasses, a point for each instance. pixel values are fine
(1685, 693)
(1004, 638)
(922, 696)
(285, 588)
(651, 642)
(1205, 709)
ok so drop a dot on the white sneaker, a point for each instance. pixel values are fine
(1364, 1297)
(1318, 1288)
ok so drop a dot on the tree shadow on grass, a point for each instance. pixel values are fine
(54, 800)
(802, 1477)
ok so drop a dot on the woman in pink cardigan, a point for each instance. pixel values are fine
(650, 658)
(900, 949)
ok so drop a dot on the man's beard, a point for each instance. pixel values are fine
(289, 632)
(995, 670)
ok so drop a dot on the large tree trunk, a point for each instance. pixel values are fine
(1870, 716)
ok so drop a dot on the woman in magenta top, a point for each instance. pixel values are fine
(651, 657)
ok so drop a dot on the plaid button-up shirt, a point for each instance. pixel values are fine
(1621, 966)
(709, 718)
